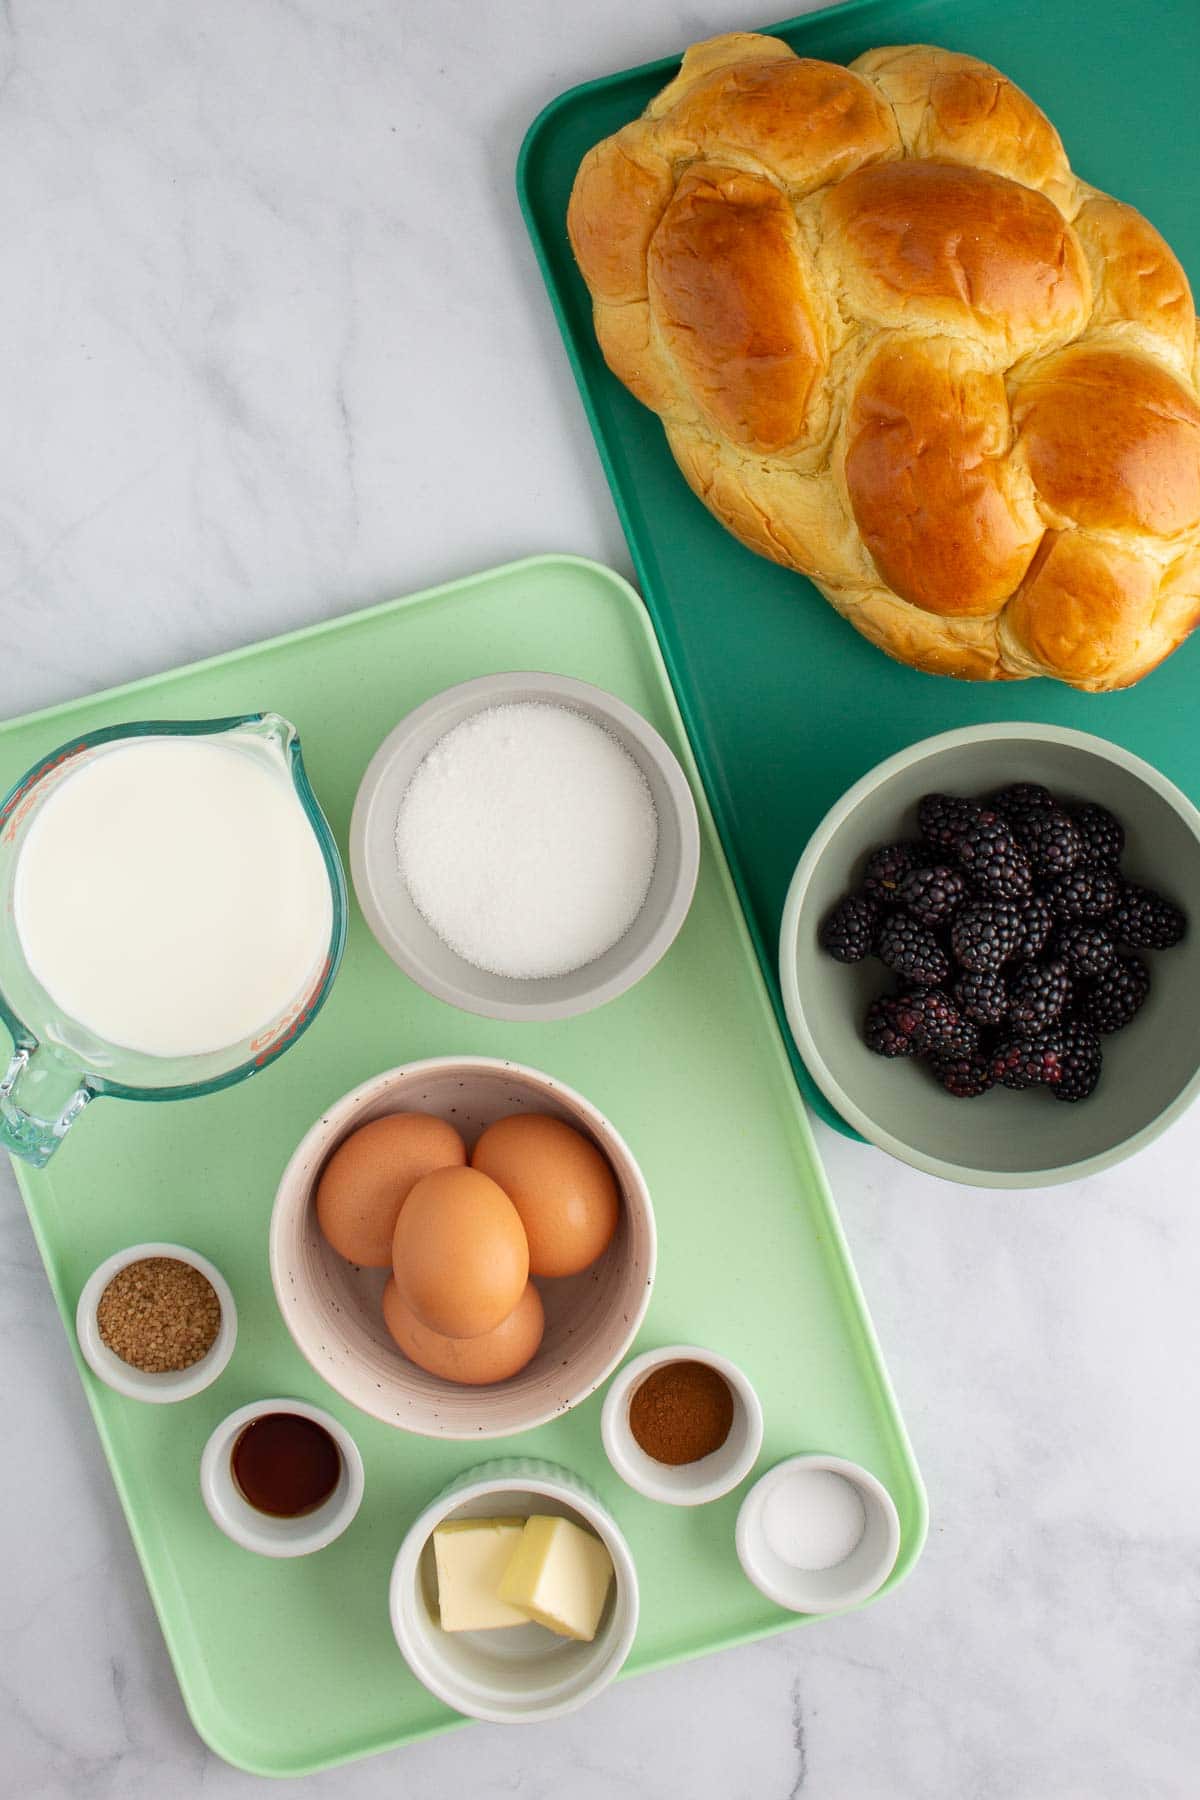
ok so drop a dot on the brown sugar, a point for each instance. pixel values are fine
(159, 1315)
(681, 1412)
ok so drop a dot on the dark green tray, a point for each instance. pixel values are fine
(785, 704)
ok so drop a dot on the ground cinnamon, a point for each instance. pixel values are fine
(681, 1412)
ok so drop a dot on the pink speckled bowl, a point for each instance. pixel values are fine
(332, 1307)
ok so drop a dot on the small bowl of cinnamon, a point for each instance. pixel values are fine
(682, 1425)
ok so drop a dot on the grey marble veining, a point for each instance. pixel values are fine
(273, 346)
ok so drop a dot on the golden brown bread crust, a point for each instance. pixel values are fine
(898, 346)
(932, 245)
(1140, 290)
(616, 204)
(732, 307)
(1112, 440)
(1084, 607)
(804, 122)
(962, 110)
(930, 480)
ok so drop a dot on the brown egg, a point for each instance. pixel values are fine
(367, 1180)
(493, 1356)
(560, 1184)
(459, 1253)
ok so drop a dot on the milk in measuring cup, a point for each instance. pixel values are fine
(171, 896)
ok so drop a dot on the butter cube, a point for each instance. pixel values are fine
(559, 1575)
(471, 1556)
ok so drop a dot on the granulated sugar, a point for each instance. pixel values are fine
(814, 1519)
(527, 838)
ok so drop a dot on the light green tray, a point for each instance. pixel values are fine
(289, 1666)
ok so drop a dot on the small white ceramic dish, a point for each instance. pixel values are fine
(229, 1509)
(523, 1673)
(333, 1308)
(123, 1377)
(682, 1484)
(848, 1583)
(387, 905)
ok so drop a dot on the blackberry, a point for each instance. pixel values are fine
(1020, 799)
(848, 933)
(886, 869)
(960, 1043)
(882, 1033)
(982, 996)
(1082, 1060)
(1038, 994)
(1012, 932)
(1069, 896)
(984, 933)
(1107, 887)
(1025, 1062)
(1144, 920)
(932, 894)
(929, 1017)
(1020, 796)
(966, 1077)
(1051, 840)
(911, 949)
(1036, 924)
(943, 817)
(1086, 949)
(1112, 999)
(1103, 836)
(993, 858)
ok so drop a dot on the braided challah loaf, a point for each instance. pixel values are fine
(898, 346)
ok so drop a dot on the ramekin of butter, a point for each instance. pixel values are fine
(818, 1533)
(566, 1331)
(514, 1596)
(525, 846)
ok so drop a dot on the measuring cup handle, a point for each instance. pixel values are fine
(40, 1099)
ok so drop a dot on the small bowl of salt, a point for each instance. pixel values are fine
(818, 1533)
(525, 846)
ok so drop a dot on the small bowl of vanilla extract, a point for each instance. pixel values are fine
(281, 1477)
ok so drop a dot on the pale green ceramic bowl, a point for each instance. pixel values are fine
(1002, 1139)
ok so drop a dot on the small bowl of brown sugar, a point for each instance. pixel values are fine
(682, 1425)
(156, 1322)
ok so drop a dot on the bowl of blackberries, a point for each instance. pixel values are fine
(987, 960)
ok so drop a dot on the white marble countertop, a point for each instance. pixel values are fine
(274, 346)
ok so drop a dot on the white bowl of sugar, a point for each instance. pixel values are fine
(524, 846)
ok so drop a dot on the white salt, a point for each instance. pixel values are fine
(814, 1519)
(527, 839)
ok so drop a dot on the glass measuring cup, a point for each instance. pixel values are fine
(58, 1065)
